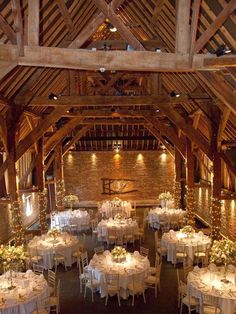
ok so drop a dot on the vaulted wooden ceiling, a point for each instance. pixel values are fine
(107, 94)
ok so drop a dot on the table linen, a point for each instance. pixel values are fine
(109, 209)
(103, 263)
(165, 215)
(29, 289)
(171, 239)
(70, 217)
(46, 246)
(208, 281)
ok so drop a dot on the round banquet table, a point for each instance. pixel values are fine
(165, 215)
(208, 281)
(46, 246)
(29, 290)
(109, 209)
(70, 217)
(103, 263)
(171, 239)
(119, 228)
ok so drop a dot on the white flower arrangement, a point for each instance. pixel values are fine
(118, 217)
(119, 254)
(187, 229)
(223, 251)
(165, 196)
(54, 232)
(71, 198)
(116, 202)
(10, 255)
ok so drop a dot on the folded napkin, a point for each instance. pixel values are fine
(29, 273)
(106, 253)
(136, 254)
(196, 268)
(212, 267)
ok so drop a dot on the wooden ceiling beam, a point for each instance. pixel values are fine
(157, 10)
(220, 88)
(194, 25)
(124, 32)
(66, 15)
(213, 28)
(18, 25)
(182, 26)
(33, 23)
(60, 134)
(159, 137)
(122, 45)
(7, 30)
(187, 128)
(6, 67)
(223, 121)
(78, 101)
(115, 121)
(76, 138)
(110, 60)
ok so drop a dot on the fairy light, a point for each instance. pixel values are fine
(215, 218)
(190, 206)
(177, 194)
(43, 210)
(60, 194)
(17, 225)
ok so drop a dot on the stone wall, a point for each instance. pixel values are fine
(152, 172)
(228, 211)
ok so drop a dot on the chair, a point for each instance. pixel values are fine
(59, 258)
(83, 270)
(187, 300)
(112, 286)
(137, 286)
(54, 301)
(153, 281)
(76, 254)
(37, 269)
(111, 237)
(182, 287)
(42, 307)
(143, 251)
(99, 250)
(186, 269)
(91, 283)
(180, 253)
(52, 281)
(94, 226)
(128, 238)
(35, 259)
(209, 304)
(201, 254)
(158, 259)
(139, 235)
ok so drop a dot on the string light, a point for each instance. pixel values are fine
(190, 206)
(60, 194)
(17, 225)
(177, 194)
(43, 210)
(215, 218)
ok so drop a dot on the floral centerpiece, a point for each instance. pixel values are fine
(118, 217)
(12, 257)
(187, 229)
(54, 232)
(165, 196)
(70, 199)
(116, 202)
(119, 254)
(223, 251)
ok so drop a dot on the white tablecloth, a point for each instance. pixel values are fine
(165, 215)
(109, 209)
(172, 238)
(46, 246)
(70, 217)
(135, 264)
(204, 281)
(167, 204)
(29, 289)
(118, 228)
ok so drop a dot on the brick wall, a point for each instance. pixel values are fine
(153, 173)
(5, 217)
(228, 211)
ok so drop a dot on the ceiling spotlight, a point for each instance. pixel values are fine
(102, 70)
(158, 49)
(157, 110)
(222, 50)
(52, 96)
(112, 29)
(174, 94)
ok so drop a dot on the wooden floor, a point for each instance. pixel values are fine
(72, 301)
